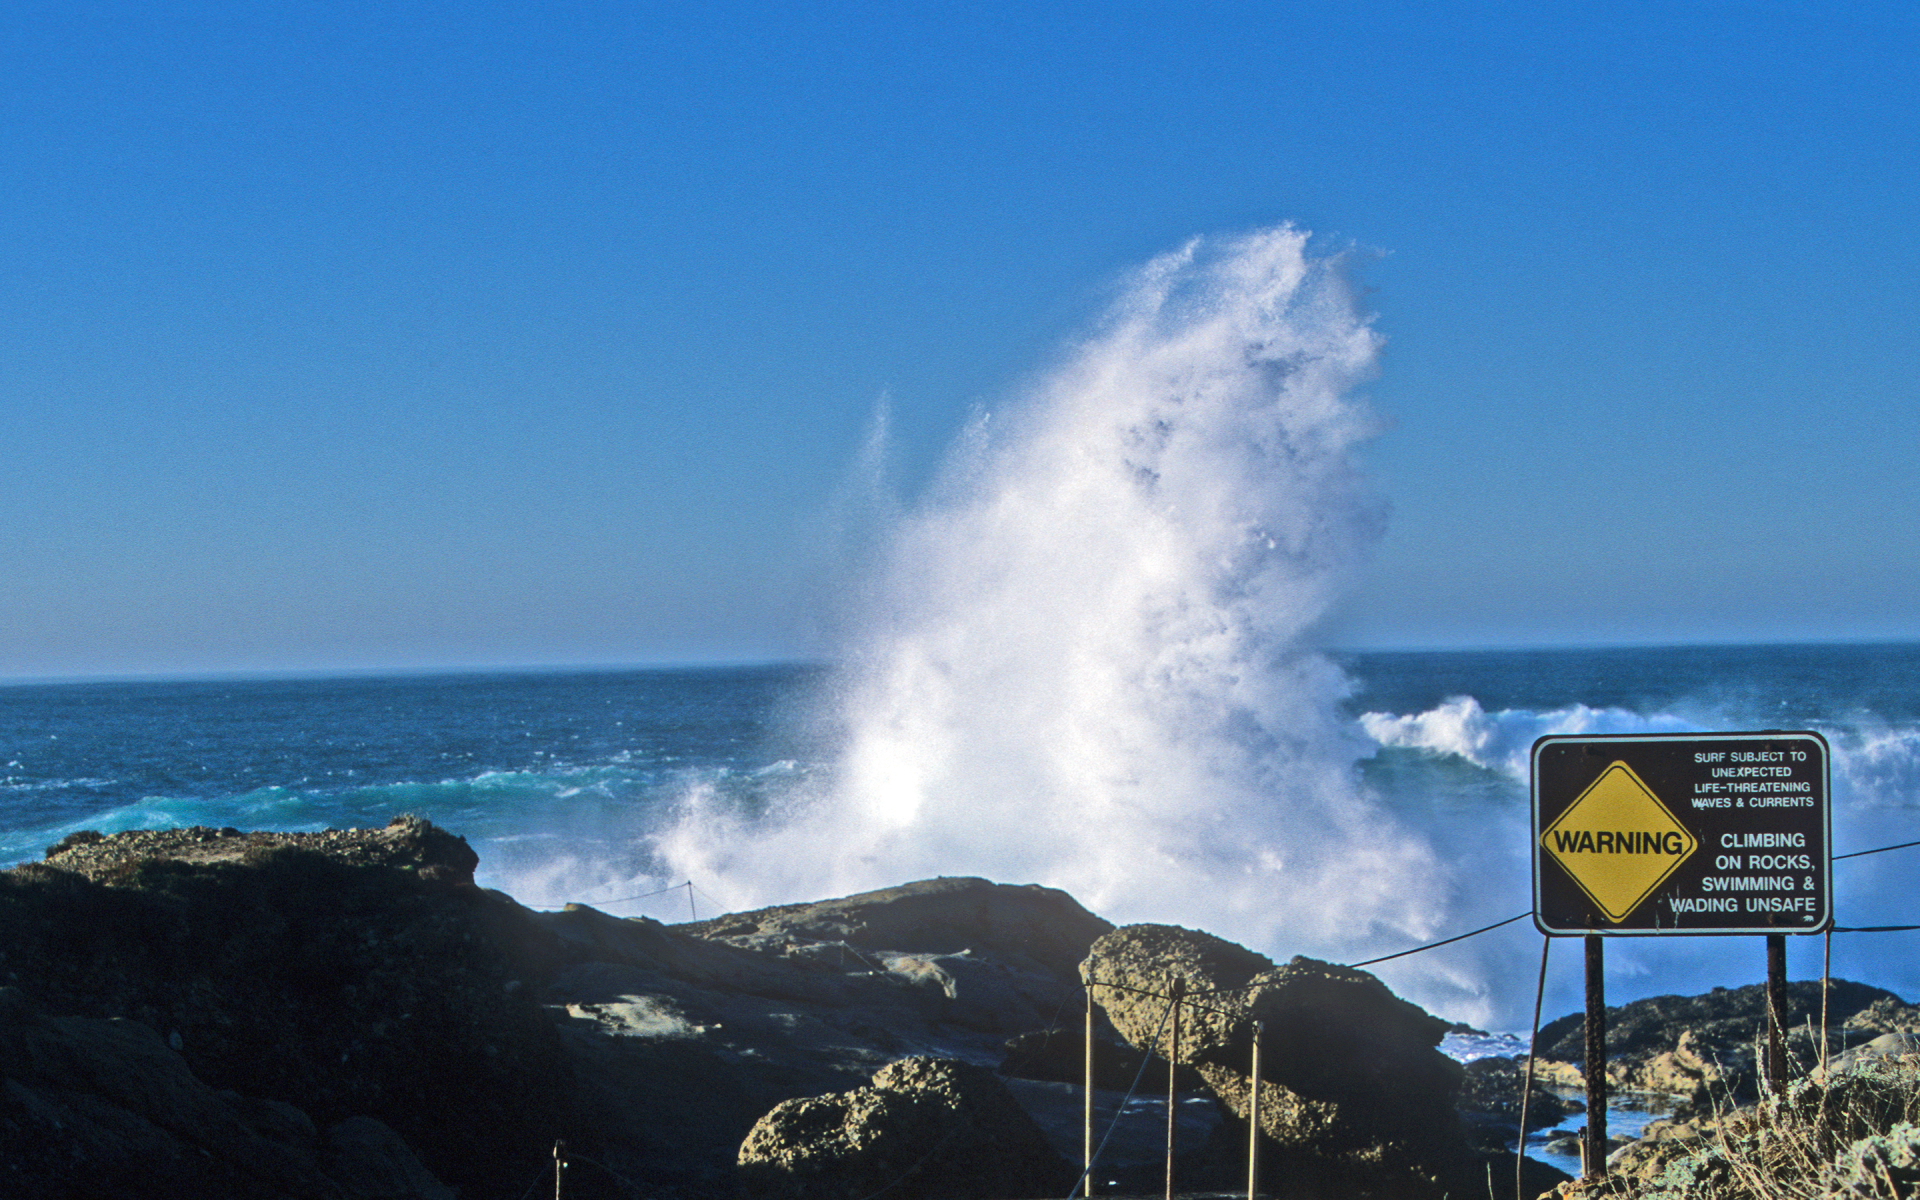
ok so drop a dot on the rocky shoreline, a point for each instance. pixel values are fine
(346, 1015)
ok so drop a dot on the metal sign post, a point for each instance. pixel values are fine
(1663, 834)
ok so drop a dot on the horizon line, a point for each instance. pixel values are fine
(426, 671)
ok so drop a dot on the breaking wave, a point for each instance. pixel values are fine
(1085, 661)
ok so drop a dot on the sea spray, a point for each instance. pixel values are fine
(1084, 660)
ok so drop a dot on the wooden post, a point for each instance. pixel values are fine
(1086, 1132)
(1253, 1122)
(1173, 1075)
(1776, 1011)
(1594, 1164)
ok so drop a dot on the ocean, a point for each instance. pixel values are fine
(621, 788)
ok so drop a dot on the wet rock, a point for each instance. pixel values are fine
(927, 1127)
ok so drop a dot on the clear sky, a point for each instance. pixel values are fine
(409, 334)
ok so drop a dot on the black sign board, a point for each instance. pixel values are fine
(1682, 833)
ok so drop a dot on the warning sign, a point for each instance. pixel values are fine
(1618, 841)
(1681, 833)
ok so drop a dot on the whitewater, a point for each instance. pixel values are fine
(1082, 660)
(1086, 657)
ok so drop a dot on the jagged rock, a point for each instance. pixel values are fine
(93, 1107)
(1354, 1097)
(409, 843)
(930, 1128)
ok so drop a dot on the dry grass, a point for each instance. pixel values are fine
(1852, 1136)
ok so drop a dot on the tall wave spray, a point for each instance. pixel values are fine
(1081, 663)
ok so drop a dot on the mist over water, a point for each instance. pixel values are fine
(1085, 662)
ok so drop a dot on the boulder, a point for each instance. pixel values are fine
(932, 1128)
(1354, 1094)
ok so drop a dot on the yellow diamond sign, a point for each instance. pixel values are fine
(1618, 841)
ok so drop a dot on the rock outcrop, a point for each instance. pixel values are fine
(1355, 1099)
(933, 1128)
(94, 1107)
(683, 1036)
(359, 981)
(1703, 1047)
(351, 974)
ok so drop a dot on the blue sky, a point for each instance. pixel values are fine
(419, 335)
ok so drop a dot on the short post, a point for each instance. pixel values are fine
(1086, 1131)
(559, 1169)
(1776, 1010)
(1253, 1122)
(1594, 1154)
(1173, 1074)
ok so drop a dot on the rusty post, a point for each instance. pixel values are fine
(1594, 1164)
(1776, 1011)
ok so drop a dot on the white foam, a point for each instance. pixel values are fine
(1083, 662)
(1503, 740)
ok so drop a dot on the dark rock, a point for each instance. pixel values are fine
(1355, 1097)
(1489, 1102)
(369, 1160)
(681, 1037)
(928, 1127)
(1059, 1056)
(354, 973)
(1030, 926)
(93, 1107)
